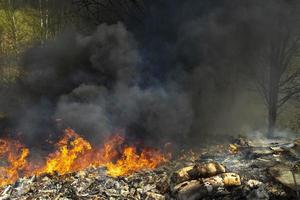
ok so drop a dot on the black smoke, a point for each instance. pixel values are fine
(182, 75)
(91, 83)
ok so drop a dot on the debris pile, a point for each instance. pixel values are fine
(201, 180)
(89, 184)
(74, 153)
(246, 169)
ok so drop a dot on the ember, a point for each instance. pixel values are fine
(75, 153)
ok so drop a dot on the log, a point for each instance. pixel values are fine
(182, 175)
(206, 170)
(197, 189)
(202, 170)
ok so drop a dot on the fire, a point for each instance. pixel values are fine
(13, 160)
(131, 161)
(70, 148)
(74, 153)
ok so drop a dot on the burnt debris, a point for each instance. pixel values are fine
(225, 174)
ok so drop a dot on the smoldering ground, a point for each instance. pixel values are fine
(183, 76)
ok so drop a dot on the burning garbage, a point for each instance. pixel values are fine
(73, 153)
(119, 171)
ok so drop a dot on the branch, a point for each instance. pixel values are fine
(263, 93)
(283, 100)
(291, 52)
(290, 78)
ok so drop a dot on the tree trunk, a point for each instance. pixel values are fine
(272, 117)
(273, 99)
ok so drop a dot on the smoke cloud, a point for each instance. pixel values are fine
(184, 74)
(91, 83)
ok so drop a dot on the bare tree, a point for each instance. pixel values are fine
(278, 72)
(110, 11)
(44, 19)
(52, 15)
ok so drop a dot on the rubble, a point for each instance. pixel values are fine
(258, 194)
(215, 173)
(253, 183)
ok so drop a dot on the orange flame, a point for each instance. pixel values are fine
(75, 153)
(13, 156)
(132, 162)
(69, 148)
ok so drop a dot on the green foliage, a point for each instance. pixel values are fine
(18, 29)
(9, 75)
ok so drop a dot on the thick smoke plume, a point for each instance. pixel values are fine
(184, 74)
(90, 83)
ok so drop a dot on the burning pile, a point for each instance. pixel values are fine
(248, 169)
(74, 154)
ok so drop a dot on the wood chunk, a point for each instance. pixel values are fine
(190, 190)
(202, 170)
(214, 181)
(197, 189)
(231, 179)
(225, 179)
(182, 175)
(206, 170)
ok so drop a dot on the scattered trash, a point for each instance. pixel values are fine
(256, 170)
